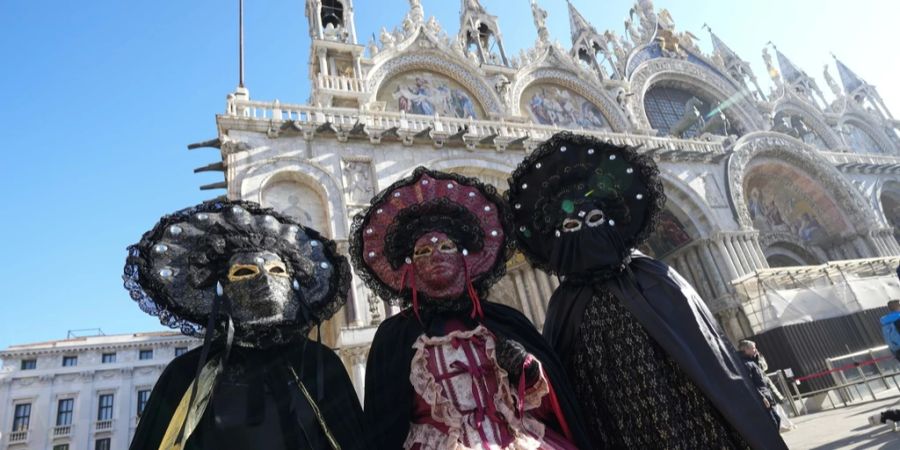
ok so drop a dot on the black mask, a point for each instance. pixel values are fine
(586, 243)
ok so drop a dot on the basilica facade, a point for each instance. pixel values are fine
(782, 204)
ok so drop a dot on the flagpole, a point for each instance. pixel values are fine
(241, 42)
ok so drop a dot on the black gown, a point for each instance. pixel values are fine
(256, 405)
(389, 394)
(650, 365)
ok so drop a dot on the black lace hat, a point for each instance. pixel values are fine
(569, 170)
(174, 270)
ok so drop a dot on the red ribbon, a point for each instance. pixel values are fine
(410, 272)
(521, 399)
(473, 294)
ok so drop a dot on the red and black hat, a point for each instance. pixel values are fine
(469, 212)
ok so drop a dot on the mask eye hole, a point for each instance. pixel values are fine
(240, 272)
(595, 218)
(447, 246)
(276, 268)
(571, 225)
(422, 252)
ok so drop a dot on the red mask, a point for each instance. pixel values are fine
(439, 266)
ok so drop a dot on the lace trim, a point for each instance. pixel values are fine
(524, 430)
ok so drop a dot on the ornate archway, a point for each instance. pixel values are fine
(422, 54)
(696, 79)
(790, 193)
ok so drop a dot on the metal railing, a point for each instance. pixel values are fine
(858, 377)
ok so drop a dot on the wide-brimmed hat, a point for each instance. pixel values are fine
(174, 270)
(568, 170)
(469, 212)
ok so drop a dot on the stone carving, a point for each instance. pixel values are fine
(540, 22)
(387, 39)
(359, 185)
(416, 13)
(712, 192)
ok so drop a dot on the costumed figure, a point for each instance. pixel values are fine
(253, 283)
(646, 358)
(453, 370)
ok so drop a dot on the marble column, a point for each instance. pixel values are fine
(743, 253)
(359, 371)
(729, 264)
(516, 276)
(700, 275)
(754, 242)
(546, 291)
(534, 296)
(554, 281)
(733, 255)
(751, 250)
(721, 287)
(892, 243)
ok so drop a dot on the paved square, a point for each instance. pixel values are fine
(844, 429)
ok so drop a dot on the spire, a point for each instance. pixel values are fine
(479, 32)
(850, 80)
(728, 55)
(789, 71)
(577, 23)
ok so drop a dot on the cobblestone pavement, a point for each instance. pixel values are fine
(845, 429)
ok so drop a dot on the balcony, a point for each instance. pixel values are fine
(260, 115)
(18, 437)
(340, 84)
(62, 431)
(103, 425)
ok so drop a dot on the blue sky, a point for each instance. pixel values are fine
(101, 98)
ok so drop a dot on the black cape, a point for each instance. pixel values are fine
(389, 394)
(676, 317)
(257, 407)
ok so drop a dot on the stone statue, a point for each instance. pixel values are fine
(501, 85)
(372, 46)
(665, 19)
(773, 72)
(632, 33)
(416, 13)
(433, 26)
(835, 89)
(540, 22)
(387, 39)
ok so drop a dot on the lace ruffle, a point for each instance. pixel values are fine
(528, 432)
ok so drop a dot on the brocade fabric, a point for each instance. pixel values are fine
(633, 394)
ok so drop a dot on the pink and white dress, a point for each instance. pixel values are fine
(464, 399)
